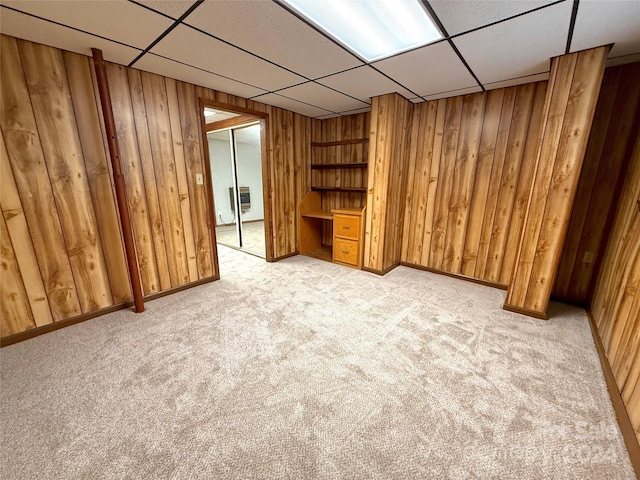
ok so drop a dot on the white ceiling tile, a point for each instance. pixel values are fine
(114, 19)
(459, 16)
(40, 31)
(169, 68)
(519, 47)
(416, 100)
(603, 22)
(356, 111)
(330, 115)
(291, 104)
(172, 8)
(518, 81)
(363, 83)
(199, 50)
(270, 31)
(322, 96)
(428, 70)
(454, 93)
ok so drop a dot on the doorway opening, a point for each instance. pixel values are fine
(236, 164)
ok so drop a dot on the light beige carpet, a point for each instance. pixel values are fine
(304, 369)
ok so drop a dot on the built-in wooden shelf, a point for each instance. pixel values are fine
(340, 142)
(322, 253)
(339, 189)
(323, 214)
(323, 166)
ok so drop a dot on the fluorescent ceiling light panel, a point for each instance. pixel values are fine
(372, 29)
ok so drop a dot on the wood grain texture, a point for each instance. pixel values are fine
(31, 176)
(86, 108)
(616, 299)
(45, 74)
(15, 311)
(388, 154)
(164, 166)
(19, 236)
(472, 164)
(193, 155)
(181, 175)
(571, 100)
(464, 171)
(141, 211)
(616, 125)
(61, 208)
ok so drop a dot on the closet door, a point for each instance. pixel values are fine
(248, 166)
(224, 188)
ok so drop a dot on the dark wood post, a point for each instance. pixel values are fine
(118, 177)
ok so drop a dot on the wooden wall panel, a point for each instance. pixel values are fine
(55, 118)
(163, 164)
(616, 299)
(616, 125)
(142, 201)
(18, 231)
(16, 312)
(32, 180)
(193, 155)
(57, 195)
(96, 159)
(473, 159)
(464, 169)
(388, 154)
(571, 101)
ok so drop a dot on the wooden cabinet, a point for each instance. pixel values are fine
(348, 236)
(348, 232)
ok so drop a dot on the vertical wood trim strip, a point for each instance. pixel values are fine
(121, 193)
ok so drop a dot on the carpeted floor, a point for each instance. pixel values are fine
(303, 369)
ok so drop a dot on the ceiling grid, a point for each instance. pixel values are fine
(267, 52)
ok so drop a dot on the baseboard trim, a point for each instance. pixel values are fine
(35, 332)
(459, 276)
(382, 273)
(628, 433)
(525, 311)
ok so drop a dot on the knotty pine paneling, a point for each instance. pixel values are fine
(616, 125)
(386, 182)
(471, 162)
(569, 109)
(616, 299)
(62, 237)
(351, 127)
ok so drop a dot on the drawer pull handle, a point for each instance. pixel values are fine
(346, 228)
(345, 252)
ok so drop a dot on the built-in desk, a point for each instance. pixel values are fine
(348, 232)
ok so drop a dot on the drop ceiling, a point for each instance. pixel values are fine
(258, 49)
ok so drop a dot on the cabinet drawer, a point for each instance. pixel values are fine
(347, 226)
(345, 251)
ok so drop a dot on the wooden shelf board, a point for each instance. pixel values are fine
(340, 142)
(323, 214)
(321, 166)
(322, 253)
(340, 189)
